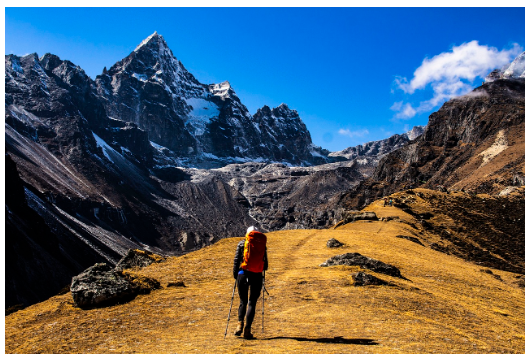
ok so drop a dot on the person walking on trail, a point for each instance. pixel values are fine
(385, 201)
(249, 263)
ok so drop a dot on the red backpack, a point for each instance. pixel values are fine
(254, 252)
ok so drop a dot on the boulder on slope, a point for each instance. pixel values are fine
(100, 285)
(356, 259)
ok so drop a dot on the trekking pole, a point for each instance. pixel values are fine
(263, 305)
(230, 312)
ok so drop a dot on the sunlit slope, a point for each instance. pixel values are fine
(445, 304)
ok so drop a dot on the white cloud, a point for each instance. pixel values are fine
(466, 61)
(451, 74)
(352, 134)
(404, 111)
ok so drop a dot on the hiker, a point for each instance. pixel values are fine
(249, 263)
(384, 202)
(390, 202)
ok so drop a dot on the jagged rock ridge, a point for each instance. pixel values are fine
(375, 150)
(200, 125)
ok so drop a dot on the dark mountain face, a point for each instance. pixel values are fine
(89, 179)
(36, 250)
(201, 125)
(149, 88)
(283, 133)
(474, 142)
(281, 197)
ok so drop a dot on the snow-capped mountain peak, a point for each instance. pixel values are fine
(196, 121)
(283, 108)
(415, 132)
(514, 70)
(155, 37)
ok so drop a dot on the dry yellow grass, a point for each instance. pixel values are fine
(447, 305)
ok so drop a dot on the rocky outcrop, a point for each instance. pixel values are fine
(356, 259)
(101, 285)
(364, 279)
(138, 258)
(350, 216)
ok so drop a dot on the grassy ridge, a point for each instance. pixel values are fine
(447, 305)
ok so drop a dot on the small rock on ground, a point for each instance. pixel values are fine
(333, 243)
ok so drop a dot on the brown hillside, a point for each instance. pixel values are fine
(445, 304)
(488, 230)
(474, 142)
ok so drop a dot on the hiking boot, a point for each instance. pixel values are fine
(247, 334)
(239, 328)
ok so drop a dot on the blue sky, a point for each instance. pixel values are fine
(353, 74)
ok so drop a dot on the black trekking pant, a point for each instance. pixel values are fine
(253, 281)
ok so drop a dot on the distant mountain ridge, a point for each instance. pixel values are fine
(380, 148)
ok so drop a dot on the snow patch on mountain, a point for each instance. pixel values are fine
(221, 90)
(15, 65)
(516, 69)
(140, 77)
(107, 150)
(415, 132)
(202, 109)
(316, 151)
(144, 42)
